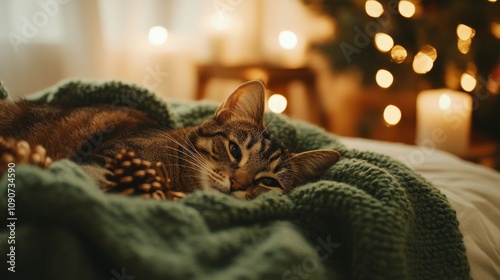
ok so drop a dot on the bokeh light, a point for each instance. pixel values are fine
(374, 8)
(157, 35)
(392, 115)
(468, 82)
(465, 32)
(383, 42)
(406, 8)
(464, 45)
(219, 22)
(398, 54)
(422, 63)
(288, 40)
(384, 78)
(277, 103)
(430, 51)
(495, 29)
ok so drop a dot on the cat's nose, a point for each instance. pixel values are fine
(240, 180)
(236, 186)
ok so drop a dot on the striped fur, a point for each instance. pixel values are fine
(259, 162)
(232, 152)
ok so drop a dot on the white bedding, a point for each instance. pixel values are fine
(472, 190)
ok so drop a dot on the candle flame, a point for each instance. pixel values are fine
(444, 101)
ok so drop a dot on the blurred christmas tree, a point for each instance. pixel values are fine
(421, 44)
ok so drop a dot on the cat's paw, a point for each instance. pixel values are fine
(130, 175)
(20, 152)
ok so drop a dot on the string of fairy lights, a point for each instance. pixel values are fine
(423, 60)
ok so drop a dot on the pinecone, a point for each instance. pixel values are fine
(13, 151)
(134, 176)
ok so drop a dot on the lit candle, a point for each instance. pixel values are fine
(443, 120)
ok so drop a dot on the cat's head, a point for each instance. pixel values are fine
(241, 157)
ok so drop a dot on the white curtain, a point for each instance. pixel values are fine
(46, 41)
(43, 42)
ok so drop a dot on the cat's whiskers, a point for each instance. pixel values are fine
(188, 154)
(196, 168)
(265, 128)
(202, 165)
(200, 161)
(186, 151)
(202, 177)
(196, 157)
(181, 165)
(211, 173)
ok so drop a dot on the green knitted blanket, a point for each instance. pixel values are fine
(369, 217)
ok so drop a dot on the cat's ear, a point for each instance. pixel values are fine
(311, 165)
(245, 103)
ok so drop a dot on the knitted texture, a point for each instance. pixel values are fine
(369, 217)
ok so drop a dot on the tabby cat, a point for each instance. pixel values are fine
(232, 152)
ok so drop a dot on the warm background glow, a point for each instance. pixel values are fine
(495, 29)
(220, 23)
(336, 65)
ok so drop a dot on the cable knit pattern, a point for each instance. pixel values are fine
(368, 217)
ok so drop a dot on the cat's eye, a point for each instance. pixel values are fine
(270, 182)
(235, 151)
